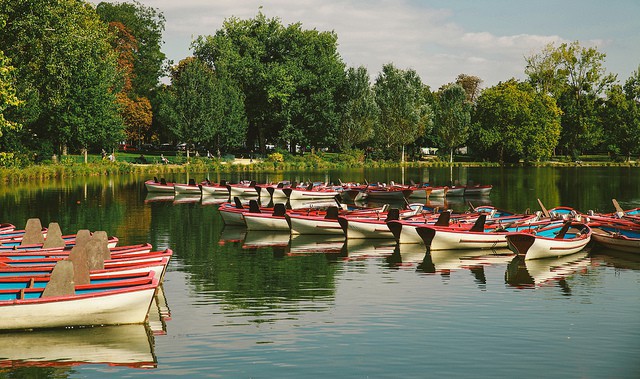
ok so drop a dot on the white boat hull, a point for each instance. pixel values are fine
(258, 221)
(108, 308)
(315, 225)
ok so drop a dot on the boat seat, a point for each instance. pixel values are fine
(253, 206)
(279, 210)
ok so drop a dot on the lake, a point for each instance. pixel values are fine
(238, 304)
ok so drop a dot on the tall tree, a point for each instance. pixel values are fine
(576, 78)
(513, 122)
(621, 121)
(197, 106)
(146, 25)
(289, 77)
(404, 112)
(8, 96)
(359, 109)
(66, 73)
(452, 117)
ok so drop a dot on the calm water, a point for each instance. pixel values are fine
(238, 304)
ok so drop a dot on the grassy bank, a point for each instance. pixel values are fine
(74, 166)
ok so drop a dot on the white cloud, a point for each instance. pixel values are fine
(433, 41)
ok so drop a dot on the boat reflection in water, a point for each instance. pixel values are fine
(362, 248)
(618, 259)
(213, 199)
(258, 238)
(302, 244)
(157, 197)
(547, 271)
(159, 313)
(121, 345)
(185, 198)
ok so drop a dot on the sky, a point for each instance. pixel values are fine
(438, 39)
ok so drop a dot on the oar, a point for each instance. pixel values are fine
(617, 206)
(545, 212)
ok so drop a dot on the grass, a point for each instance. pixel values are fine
(74, 166)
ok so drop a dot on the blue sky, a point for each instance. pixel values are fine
(438, 39)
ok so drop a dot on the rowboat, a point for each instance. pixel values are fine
(375, 226)
(311, 192)
(455, 191)
(617, 236)
(159, 186)
(190, 188)
(553, 241)
(388, 193)
(255, 219)
(209, 188)
(104, 303)
(244, 188)
(325, 223)
(233, 213)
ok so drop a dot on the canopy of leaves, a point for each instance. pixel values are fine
(513, 122)
(358, 108)
(145, 24)
(404, 112)
(453, 117)
(199, 107)
(65, 72)
(289, 77)
(575, 76)
(8, 96)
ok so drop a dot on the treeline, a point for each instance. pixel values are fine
(81, 78)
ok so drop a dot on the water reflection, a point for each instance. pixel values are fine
(523, 273)
(122, 345)
(618, 259)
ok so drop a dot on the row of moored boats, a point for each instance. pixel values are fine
(50, 280)
(543, 234)
(317, 190)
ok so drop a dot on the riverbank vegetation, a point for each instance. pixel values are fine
(78, 79)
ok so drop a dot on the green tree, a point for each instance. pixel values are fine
(8, 96)
(452, 117)
(621, 122)
(146, 25)
(65, 72)
(513, 122)
(359, 109)
(404, 112)
(576, 78)
(289, 77)
(198, 108)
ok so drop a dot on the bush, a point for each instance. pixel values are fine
(275, 157)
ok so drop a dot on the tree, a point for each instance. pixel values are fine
(289, 77)
(621, 121)
(404, 112)
(145, 24)
(359, 109)
(471, 85)
(198, 108)
(512, 122)
(576, 78)
(65, 72)
(8, 96)
(452, 117)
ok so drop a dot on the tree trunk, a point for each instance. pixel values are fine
(451, 155)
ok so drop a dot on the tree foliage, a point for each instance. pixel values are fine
(575, 76)
(621, 122)
(145, 25)
(200, 108)
(359, 109)
(8, 96)
(471, 85)
(452, 117)
(513, 122)
(65, 72)
(404, 112)
(289, 77)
